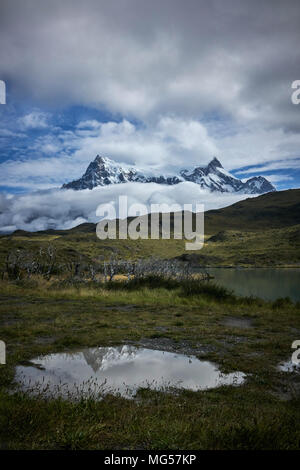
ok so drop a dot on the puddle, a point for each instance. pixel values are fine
(289, 366)
(121, 370)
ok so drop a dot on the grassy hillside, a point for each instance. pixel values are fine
(271, 210)
(261, 231)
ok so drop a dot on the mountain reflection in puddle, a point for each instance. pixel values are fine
(119, 370)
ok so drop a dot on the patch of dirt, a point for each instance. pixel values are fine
(288, 389)
(123, 308)
(236, 322)
(167, 344)
(8, 321)
(229, 341)
(45, 340)
(295, 330)
(255, 354)
(5, 298)
(162, 328)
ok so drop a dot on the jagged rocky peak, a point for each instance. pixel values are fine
(103, 171)
(99, 164)
(259, 183)
(215, 163)
(101, 161)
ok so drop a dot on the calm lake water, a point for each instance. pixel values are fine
(119, 370)
(266, 283)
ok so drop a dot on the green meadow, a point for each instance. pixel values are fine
(42, 313)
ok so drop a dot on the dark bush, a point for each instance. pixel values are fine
(282, 302)
(151, 281)
(188, 287)
(195, 287)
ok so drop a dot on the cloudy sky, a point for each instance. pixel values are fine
(156, 84)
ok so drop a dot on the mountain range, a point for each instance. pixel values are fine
(103, 171)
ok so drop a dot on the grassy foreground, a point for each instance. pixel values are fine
(38, 317)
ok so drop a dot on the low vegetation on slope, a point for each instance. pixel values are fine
(269, 247)
(261, 231)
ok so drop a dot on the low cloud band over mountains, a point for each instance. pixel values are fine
(64, 209)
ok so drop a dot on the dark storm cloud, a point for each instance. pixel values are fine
(138, 58)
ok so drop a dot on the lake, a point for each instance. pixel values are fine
(266, 283)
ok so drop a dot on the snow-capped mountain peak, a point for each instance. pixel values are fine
(215, 163)
(103, 171)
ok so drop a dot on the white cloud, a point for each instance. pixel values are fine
(277, 178)
(6, 133)
(63, 209)
(274, 165)
(34, 120)
(89, 124)
(170, 144)
(173, 142)
(253, 145)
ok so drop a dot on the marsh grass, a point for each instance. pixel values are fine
(158, 421)
(42, 317)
